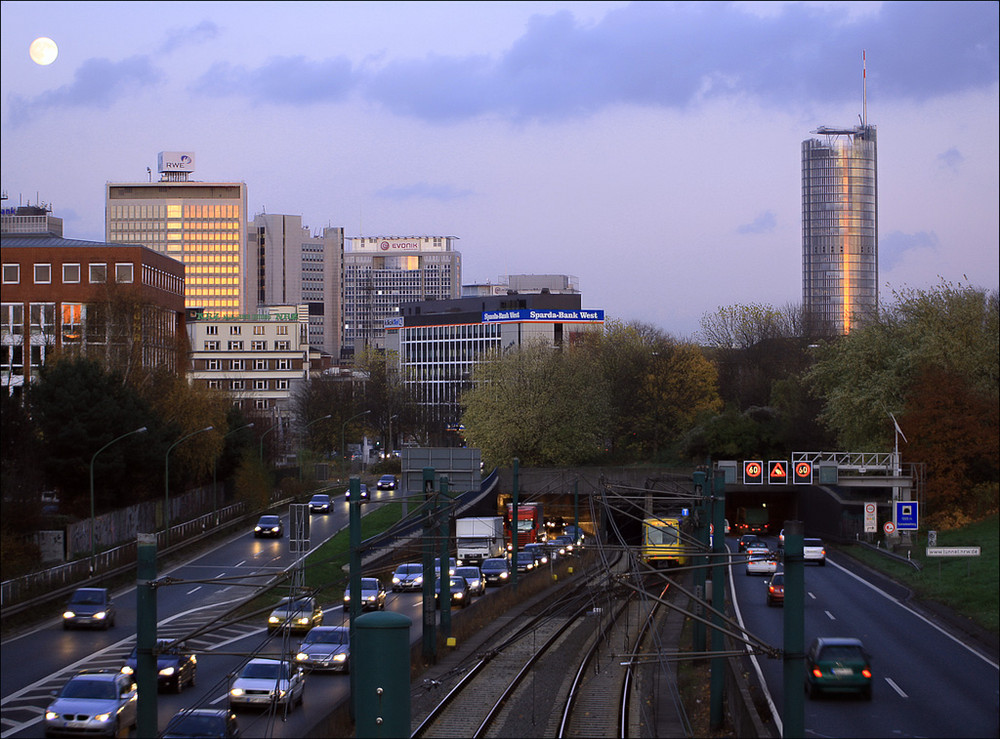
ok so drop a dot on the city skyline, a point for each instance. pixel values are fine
(651, 149)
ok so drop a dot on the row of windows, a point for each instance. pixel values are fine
(242, 385)
(240, 365)
(97, 273)
(255, 346)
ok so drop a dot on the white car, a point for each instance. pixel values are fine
(761, 561)
(262, 682)
(814, 551)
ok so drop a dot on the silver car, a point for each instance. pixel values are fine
(101, 702)
(262, 682)
(326, 648)
(472, 575)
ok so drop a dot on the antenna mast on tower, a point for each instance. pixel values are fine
(864, 90)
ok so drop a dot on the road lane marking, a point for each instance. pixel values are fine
(830, 616)
(195, 590)
(896, 688)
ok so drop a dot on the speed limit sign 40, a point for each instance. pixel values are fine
(889, 527)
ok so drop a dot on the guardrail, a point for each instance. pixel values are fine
(892, 555)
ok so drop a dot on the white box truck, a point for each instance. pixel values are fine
(477, 539)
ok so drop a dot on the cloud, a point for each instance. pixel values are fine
(190, 36)
(951, 159)
(289, 80)
(98, 83)
(424, 191)
(894, 247)
(762, 224)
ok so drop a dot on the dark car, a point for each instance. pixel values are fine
(776, 589)
(211, 723)
(363, 495)
(838, 664)
(496, 571)
(299, 613)
(176, 667)
(409, 576)
(372, 595)
(472, 575)
(269, 526)
(525, 561)
(386, 482)
(91, 607)
(320, 503)
(539, 551)
(750, 540)
(459, 592)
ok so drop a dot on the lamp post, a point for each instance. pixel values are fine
(93, 518)
(389, 445)
(215, 470)
(166, 479)
(315, 420)
(343, 429)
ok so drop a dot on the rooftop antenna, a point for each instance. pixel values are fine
(864, 89)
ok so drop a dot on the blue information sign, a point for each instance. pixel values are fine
(906, 515)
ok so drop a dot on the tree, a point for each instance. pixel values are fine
(538, 404)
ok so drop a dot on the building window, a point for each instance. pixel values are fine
(11, 274)
(72, 322)
(258, 330)
(237, 365)
(282, 330)
(258, 346)
(124, 272)
(212, 330)
(211, 346)
(261, 404)
(260, 384)
(283, 364)
(43, 274)
(71, 273)
(238, 384)
(215, 384)
(98, 273)
(213, 365)
(235, 346)
(282, 346)
(260, 364)
(235, 330)
(281, 384)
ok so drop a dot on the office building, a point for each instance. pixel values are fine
(202, 224)
(31, 219)
(290, 266)
(381, 273)
(839, 229)
(439, 343)
(525, 284)
(122, 304)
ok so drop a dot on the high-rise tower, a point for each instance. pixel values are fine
(839, 228)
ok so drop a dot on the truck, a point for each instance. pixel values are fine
(530, 524)
(478, 538)
(751, 520)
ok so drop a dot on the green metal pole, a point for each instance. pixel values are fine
(514, 529)
(145, 636)
(718, 679)
(444, 512)
(354, 567)
(700, 576)
(793, 724)
(429, 630)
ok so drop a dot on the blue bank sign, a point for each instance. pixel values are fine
(543, 316)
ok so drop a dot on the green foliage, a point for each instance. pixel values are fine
(252, 482)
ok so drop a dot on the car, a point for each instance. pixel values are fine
(750, 540)
(372, 595)
(761, 561)
(296, 613)
(726, 520)
(212, 723)
(326, 648)
(459, 592)
(269, 526)
(539, 552)
(452, 563)
(838, 664)
(101, 702)
(472, 575)
(776, 589)
(90, 607)
(814, 551)
(176, 667)
(525, 561)
(496, 571)
(386, 482)
(565, 543)
(320, 503)
(363, 494)
(263, 682)
(409, 576)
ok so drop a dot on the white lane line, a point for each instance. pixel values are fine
(195, 590)
(241, 563)
(830, 616)
(896, 688)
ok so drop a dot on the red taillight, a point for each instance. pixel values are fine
(817, 672)
(867, 673)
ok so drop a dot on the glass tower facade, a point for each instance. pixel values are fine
(839, 229)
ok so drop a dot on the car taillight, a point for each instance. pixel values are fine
(867, 673)
(817, 672)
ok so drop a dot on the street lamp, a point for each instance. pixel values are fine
(343, 429)
(93, 518)
(315, 420)
(389, 450)
(166, 479)
(215, 470)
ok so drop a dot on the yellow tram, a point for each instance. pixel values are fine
(662, 542)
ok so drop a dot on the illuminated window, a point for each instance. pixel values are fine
(235, 346)
(211, 346)
(258, 346)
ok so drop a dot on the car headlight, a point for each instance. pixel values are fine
(256, 528)
(167, 671)
(457, 595)
(100, 615)
(103, 717)
(69, 614)
(273, 620)
(301, 657)
(395, 581)
(418, 580)
(347, 599)
(340, 658)
(51, 715)
(303, 620)
(274, 529)
(236, 692)
(504, 575)
(370, 599)
(127, 670)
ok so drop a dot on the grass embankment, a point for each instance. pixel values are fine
(969, 586)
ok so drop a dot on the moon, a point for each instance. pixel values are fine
(43, 51)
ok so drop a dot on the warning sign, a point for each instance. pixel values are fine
(777, 472)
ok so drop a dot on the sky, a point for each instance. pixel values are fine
(652, 150)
